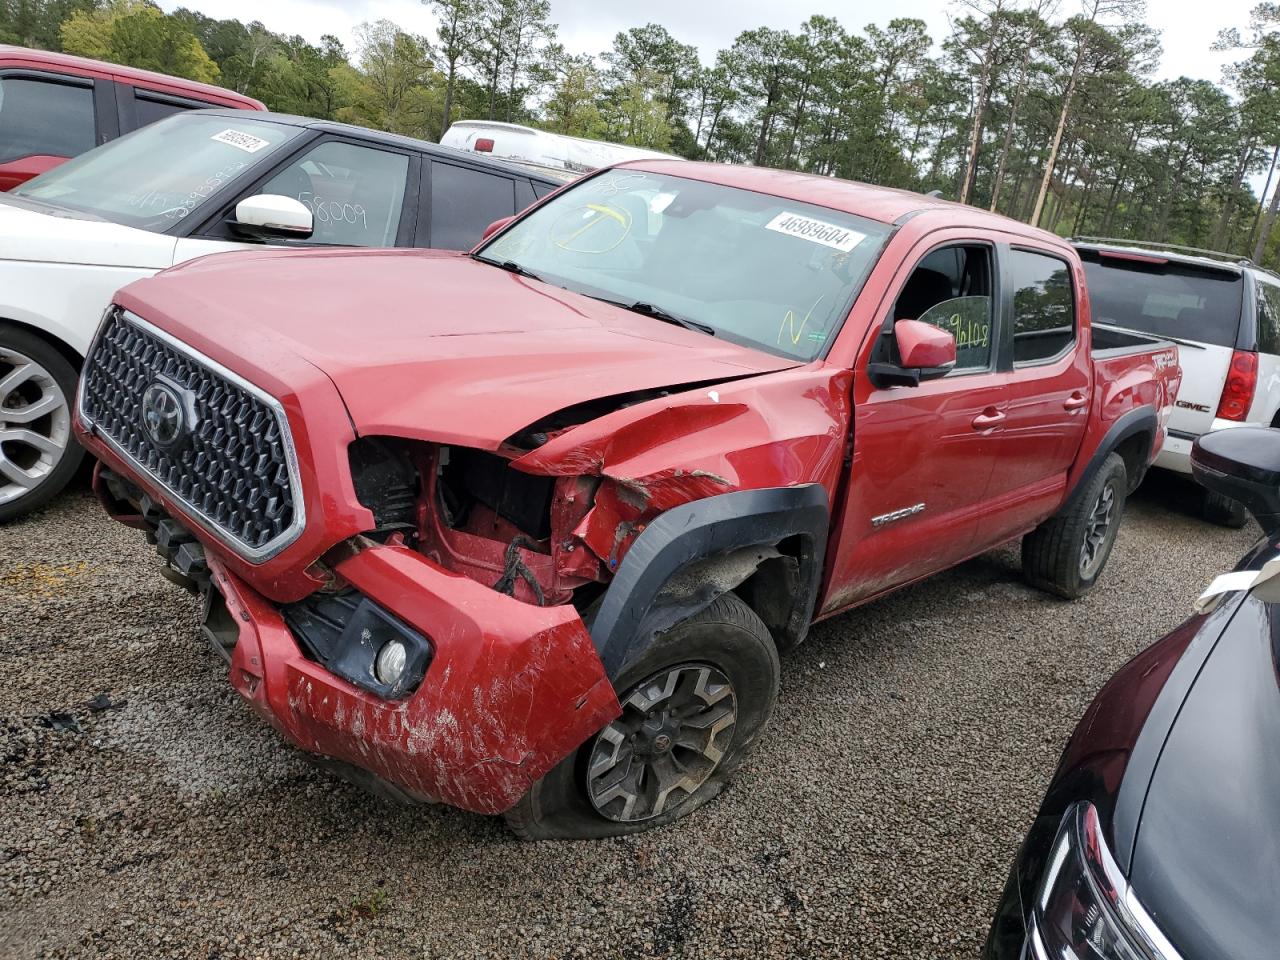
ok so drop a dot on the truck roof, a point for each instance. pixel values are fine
(25, 56)
(884, 204)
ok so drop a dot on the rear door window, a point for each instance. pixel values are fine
(149, 109)
(1044, 306)
(1167, 299)
(354, 192)
(465, 201)
(1268, 317)
(45, 118)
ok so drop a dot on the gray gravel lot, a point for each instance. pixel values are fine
(877, 819)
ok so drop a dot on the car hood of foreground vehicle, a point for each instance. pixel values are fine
(1207, 861)
(41, 233)
(427, 344)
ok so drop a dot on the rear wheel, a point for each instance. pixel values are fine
(693, 704)
(38, 454)
(1224, 511)
(1066, 554)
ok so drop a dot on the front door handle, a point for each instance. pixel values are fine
(1075, 401)
(987, 419)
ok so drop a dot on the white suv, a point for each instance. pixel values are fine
(1223, 312)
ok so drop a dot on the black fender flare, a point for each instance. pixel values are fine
(633, 608)
(1143, 420)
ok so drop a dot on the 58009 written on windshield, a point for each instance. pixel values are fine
(760, 270)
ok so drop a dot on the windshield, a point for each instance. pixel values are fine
(755, 269)
(160, 174)
(1168, 299)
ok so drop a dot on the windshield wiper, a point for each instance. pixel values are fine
(508, 265)
(651, 310)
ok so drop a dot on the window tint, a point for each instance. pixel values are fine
(355, 193)
(147, 110)
(1268, 317)
(1044, 311)
(951, 288)
(540, 190)
(27, 109)
(1169, 299)
(464, 202)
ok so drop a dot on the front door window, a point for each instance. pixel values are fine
(355, 193)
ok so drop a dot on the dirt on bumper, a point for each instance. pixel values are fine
(511, 690)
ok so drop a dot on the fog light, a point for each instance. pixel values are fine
(390, 662)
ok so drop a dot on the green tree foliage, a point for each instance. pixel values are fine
(38, 23)
(140, 34)
(1044, 110)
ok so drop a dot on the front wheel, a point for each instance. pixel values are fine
(693, 704)
(1066, 554)
(38, 454)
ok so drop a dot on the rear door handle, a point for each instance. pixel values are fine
(987, 419)
(1075, 401)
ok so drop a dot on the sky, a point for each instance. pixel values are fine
(588, 26)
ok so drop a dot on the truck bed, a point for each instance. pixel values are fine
(1109, 342)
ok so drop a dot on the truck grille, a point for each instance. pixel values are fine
(226, 453)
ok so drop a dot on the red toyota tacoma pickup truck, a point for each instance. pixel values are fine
(523, 530)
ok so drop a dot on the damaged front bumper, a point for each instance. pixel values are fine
(509, 691)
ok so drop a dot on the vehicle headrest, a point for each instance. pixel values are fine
(924, 289)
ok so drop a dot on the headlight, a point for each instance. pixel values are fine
(1085, 909)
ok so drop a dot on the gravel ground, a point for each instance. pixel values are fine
(878, 818)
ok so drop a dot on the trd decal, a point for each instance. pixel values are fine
(902, 514)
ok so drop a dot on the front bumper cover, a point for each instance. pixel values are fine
(511, 689)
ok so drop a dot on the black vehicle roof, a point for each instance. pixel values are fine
(387, 139)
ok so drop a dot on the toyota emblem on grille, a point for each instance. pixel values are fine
(163, 417)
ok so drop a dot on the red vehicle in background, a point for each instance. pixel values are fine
(524, 530)
(54, 107)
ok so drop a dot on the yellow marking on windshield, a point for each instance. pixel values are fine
(789, 320)
(602, 211)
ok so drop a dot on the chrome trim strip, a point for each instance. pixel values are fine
(1147, 927)
(254, 555)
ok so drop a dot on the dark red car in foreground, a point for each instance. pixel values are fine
(524, 530)
(54, 106)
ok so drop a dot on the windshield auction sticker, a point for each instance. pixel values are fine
(241, 141)
(815, 231)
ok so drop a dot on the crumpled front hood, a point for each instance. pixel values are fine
(26, 233)
(1207, 860)
(426, 344)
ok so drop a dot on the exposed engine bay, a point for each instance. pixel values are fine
(545, 540)
(473, 513)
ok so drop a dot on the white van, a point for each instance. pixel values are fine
(538, 148)
(1222, 311)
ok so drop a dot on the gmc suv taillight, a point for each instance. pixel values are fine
(1237, 392)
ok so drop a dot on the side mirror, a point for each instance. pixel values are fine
(925, 352)
(1242, 463)
(269, 216)
(924, 347)
(494, 227)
